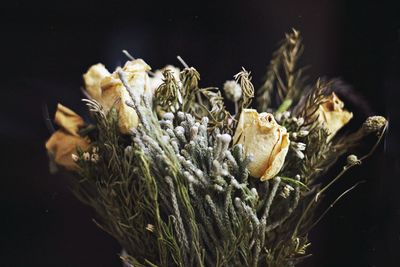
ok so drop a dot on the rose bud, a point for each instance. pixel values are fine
(264, 140)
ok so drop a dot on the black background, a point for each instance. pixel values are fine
(46, 46)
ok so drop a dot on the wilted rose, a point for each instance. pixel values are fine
(64, 142)
(109, 91)
(264, 140)
(332, 115)
(93, 78)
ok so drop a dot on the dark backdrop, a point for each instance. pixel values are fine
(46, 46)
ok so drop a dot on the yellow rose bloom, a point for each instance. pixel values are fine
(109, 91)
(264, 140)
(64, 142)
(332, 115)
(93, 78)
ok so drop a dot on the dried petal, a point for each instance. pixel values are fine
(62, 146)
(68, 120)
(63, 143)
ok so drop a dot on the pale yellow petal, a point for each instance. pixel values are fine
(247, 118)
(68, 120)
(93, 78)
(62, 145)
(114, 93)
(278, 160)
(332, 115)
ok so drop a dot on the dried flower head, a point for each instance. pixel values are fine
(158, 78)
(264, 140)
(86, 156)
(75, 157)
(150, 227)
(232, 90)
(353, 160)
(243, 78)
(286, 191)
(374, 124)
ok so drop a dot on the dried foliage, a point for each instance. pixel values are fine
(175, 192)
(284, 79)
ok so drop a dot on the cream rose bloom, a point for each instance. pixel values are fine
(93, 78)
(64, 142)
(332, 115)
(264, 140)
(109, 91)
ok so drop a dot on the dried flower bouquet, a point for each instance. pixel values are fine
(179, 180)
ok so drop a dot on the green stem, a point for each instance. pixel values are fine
(285, 105)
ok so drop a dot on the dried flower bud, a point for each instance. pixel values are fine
(300, 121)
(94, 158)
(75, 158)
(150, 227)
(263, 139)
(232, 90)
(158, 78)
(86, 156)
(374, 124)
(286, 191)
(299, 146)
(302, 133)
(353, 159)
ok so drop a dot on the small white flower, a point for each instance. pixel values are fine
(286, 191)
(86, 156)
(300, 146)
(232, 90)
(95, 158)
(300, 121)
(150, 227)
(75, 157)
(303, 133)
(299, 154)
